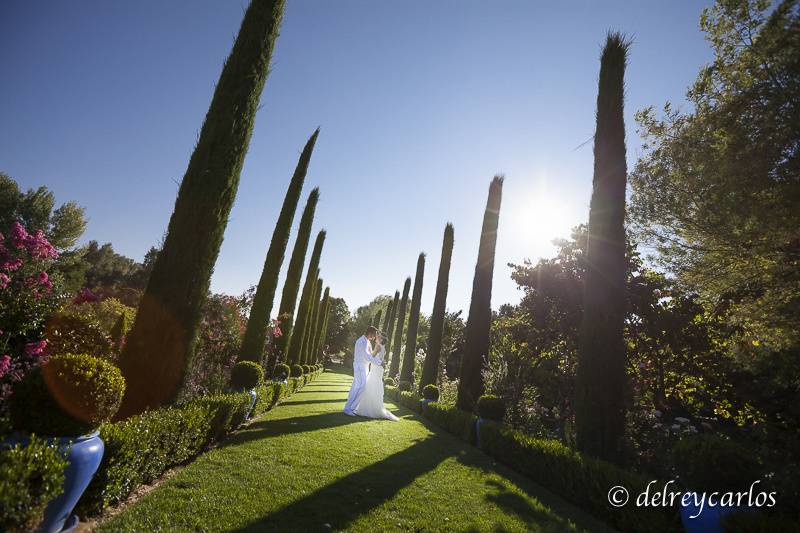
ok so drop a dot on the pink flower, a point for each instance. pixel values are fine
(85, 295)
(44, 280)
(4, 279)
(18, 235)
(5, 365)
(10, 264)
(39, 247)
(33, 349)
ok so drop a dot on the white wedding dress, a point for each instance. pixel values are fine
(370, 402)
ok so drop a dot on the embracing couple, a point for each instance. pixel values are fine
(366, 393)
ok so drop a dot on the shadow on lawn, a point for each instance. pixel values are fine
(285, 426)
(344, 500)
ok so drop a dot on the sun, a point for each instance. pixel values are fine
(541, 216)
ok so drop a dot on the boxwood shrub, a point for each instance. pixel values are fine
(246, 375)
(30, 476)
(390, 391)
(281, 372)
(410, 400)
(404, 386)
(491, 407)
(306, 369)
(70, 395)
(581, 479)
(453, 420)
(297, 371)
(430, 392)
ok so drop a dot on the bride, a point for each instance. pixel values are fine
(370, 402)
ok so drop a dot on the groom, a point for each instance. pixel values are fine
(362, 356)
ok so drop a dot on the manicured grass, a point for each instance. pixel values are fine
(306, 466)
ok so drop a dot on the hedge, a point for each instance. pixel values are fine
(30, 476)
(452, 419)
(583, 480)
(410, 400)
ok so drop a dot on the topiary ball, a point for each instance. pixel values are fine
(306, 369)
(70, 395)
(404, 386)
(297, 371)
(704, 463)
(430, 392)
(246, 375)
(282, 371)
(491, 407)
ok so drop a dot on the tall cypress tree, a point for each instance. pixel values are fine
(390, 325)
(600, 380)
(294, 275)
(430, 367)
(407, 372)
(159, 346)
(394, 367)
(476, 350)
(258, 322)
(376, 320)
(296, 342)
(322, 320)
(311, 326)
(387, 316)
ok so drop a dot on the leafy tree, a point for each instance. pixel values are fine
(295, 346)
(160, 345)
(717, 189)
(394, 366)
(431, 367)
(339, 327)
(294, 274)
(470, 386)
(407, 371)
(600, 388)
(258, 322)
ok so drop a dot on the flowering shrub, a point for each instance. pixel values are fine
(89, 325)
(28, 296)
(217, 349)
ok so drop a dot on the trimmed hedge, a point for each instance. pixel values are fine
(297, 371)
(452, 419)
(491, 407)
(430, 392)
(583, 480)
(30, 476)
(246, 375)
(282, 371)
(410, 400)
(404, 385)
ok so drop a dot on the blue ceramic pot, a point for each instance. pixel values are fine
(709, 521)
(253, 396)
(84, 455)
(478, 424)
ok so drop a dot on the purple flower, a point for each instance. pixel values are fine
(33, 349)
(4, 279)
(5, 365)
(19, 236)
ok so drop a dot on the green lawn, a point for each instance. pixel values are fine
(305, 466)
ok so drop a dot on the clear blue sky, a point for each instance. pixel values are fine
(420, 104)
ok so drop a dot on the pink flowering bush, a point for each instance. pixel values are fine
(28, 297)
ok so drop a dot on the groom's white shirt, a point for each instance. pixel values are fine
(362, 356)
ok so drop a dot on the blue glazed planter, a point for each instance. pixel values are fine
(84, 456)
(253, 396)
(709, 521)
(478, 424)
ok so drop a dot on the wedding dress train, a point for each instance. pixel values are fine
(370, 402)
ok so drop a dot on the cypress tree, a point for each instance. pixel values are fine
(294, 275)
(159, 347)
(407, 372)
(600, 380)
(311, 327)
(385, 328)
(394, 368)
(476, 351)
(322, 320)
(256, 332)
(295, 345)
(430, 367)
(376, 320)
(390, 325)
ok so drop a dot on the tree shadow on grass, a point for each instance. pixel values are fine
(356, 494)
(272, 427)
(306, 402)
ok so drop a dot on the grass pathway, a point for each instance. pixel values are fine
(305, 466)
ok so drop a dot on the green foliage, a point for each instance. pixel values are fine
(600, 382)
(256, 333)
(430, 369)
(404, 385)
(70, 395)
(491, 407)
(476, 352)
(91, 327)
(452, 419)
(295, 348)
(323, 329)
(282, 371)
(170, 435)
(410, 400)
(710, 462)
(246, 375)
(390, 320)
(576, 477)
(757, 522)
(716, 189)
(410, 353)
(339, 327)
(394, 366)
(306, 369)
(312, 328)
(31, 475)
(297, 371)
(160, 346)
(430, 392)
